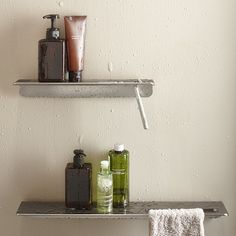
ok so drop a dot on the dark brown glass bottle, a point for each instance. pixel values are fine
(51, 55)
(78, 182)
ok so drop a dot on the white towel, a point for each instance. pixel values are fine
(176, 222)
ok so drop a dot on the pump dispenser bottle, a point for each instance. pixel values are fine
(51, 54)
(119, 166)
(104, 188)
(78, 182)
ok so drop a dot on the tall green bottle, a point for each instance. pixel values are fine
(119, 167)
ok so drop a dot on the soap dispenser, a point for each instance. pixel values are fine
(51, 54)
(78, 182)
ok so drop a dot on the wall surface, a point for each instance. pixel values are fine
(188, 47)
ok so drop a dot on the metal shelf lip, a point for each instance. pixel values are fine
(86, 88)
(135, 210)
(87, 82)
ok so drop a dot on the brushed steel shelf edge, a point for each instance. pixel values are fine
(136, 210)
(88, 82)
(86, 89)
(85, 216)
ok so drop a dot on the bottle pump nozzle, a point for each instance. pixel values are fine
(79, 158)
(52, 33)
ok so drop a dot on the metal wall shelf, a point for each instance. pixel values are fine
(86, 89)
(90, 89)
(135, 210)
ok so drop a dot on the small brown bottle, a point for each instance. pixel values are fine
(78, 182)
(51, 54)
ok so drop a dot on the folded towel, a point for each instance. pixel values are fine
(176, 222)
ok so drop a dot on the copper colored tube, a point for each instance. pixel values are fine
(75, 40)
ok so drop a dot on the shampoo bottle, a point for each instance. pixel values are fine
(104, 188)
(78, 182)
(51, 54)
(119, 166)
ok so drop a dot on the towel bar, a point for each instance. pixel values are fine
(210, 210)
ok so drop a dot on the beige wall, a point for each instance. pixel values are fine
(188, 47)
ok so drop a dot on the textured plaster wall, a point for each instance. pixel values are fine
(188, 47)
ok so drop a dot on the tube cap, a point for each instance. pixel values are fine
(119, 147)
(75, 76)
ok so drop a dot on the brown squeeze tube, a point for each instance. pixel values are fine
(75, 40)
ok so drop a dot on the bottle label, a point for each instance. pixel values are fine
(104, 185)
(118, 171)
(55, 34)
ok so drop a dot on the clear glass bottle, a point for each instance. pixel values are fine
(119, 167)
(104, 188)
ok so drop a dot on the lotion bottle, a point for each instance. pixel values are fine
(104, 188)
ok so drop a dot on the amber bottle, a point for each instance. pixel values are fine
(51, 54)
(78, 182)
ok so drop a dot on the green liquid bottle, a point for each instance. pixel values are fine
(104, 188)
(119, 166)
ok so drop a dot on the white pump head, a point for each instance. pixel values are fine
(104, 164)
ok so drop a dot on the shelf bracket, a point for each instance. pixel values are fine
(141, 108)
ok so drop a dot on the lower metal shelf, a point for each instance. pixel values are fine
(135, 210)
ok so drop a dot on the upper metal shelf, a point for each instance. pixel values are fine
(135, 210)
(86, 89)
(90, 89)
